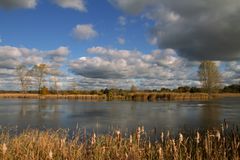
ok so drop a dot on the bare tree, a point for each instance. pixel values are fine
(55, 84)
(133, 88)
(39, 72)
(74, 86)
(209, 76)
(23, 75)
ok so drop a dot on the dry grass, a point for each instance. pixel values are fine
(35, 144)
(168, 96)
(138, 96)
(53, 96)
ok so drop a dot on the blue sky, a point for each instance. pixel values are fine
(117, 43)
(48, 26)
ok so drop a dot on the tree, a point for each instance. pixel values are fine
(55, 86)
(209, 76)
(22, 73)
(74, 87)
(133, 88)
(39, 72)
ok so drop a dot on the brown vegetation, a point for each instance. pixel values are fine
(34, 144)
(52, 96)
(138, 96)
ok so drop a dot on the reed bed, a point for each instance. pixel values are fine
(168, 96)
(139, 96)
(219, 144)
(53, 96)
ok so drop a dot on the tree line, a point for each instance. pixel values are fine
(208, 73)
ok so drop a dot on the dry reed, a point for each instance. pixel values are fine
(36, 144)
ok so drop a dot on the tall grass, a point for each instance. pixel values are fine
(36, 144)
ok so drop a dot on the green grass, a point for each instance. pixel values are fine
(36, 145)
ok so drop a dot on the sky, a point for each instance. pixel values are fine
(119, 43)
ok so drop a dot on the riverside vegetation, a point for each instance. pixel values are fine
(137, 96)
(221, 143)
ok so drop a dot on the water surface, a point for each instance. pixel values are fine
(126, 115)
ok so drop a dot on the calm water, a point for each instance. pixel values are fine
(127, 115)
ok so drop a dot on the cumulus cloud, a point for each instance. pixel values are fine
(84, 32)
(111, 64)
(232, 72)
(197, 30)
(154, 70)
(74, 4)
(97, 83)
(10, 4)
(11, 56)
(8, 52)
(121, 40)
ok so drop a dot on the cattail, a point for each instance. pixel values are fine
(142, 129)
(139, 130)
(198, 138)
(93, 141)
(126, 155)
(103, 149)
(160, 152)
(130, 139)
(174, 146)
(162, 136)
(138, 137)
(62, 142)
(168, 134)
(50, 154)
(222, 128)
(180, 138)
(118, 134)
(4, 148)
(149, 144)
(218, 135)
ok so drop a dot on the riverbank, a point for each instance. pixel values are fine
(35, 144)
(131, 96)
(139, 96)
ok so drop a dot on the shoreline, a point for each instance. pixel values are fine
(129, 97)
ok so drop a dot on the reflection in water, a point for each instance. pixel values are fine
(126, 115)
(210, 115)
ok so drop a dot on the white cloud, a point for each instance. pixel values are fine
(122, 65)
(74, 4)
(11, 56)
(122, 21)
(231, 73)
(1, 40)
(8, 52)
(84, 32)
(9, 4)
(132, 6)
(121, 40)
(61, 51)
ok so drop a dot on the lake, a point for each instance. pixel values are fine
(102, 116)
